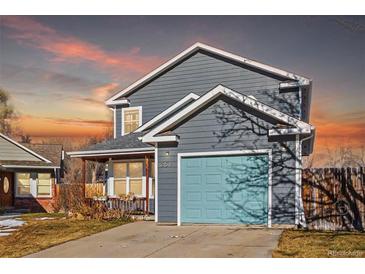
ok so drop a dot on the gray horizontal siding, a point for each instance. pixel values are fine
(199, 74)
(9, 151)
(214, 136)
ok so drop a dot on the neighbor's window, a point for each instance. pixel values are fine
(44, 184)
(120, 178)
(23, 184)
(131, 119)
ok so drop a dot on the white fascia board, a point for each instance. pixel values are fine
(25, 148)
(30, 167)
(274, 113)
(107, 152)
(214, 93)
(159, 117)
(110, 154)
(288, 85)
(200, 46)
(118, 102)
(154, 139)
(288, 131)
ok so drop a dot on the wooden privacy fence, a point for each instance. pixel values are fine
(95, 190)
(334, 198)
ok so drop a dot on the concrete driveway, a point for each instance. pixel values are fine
(146, 239)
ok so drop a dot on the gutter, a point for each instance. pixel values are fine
(110, 152)
(32, 167)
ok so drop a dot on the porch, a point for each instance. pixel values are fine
(123, 175)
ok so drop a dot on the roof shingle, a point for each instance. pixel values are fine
(128, 141)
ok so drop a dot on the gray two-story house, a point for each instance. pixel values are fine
(213, 138)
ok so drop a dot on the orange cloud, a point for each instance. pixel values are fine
(95, 102)
(52, 127)
(67, 48)
(334, 130)
(104, 91)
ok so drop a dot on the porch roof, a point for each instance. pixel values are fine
(123, 145)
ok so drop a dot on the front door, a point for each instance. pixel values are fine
(6, 189)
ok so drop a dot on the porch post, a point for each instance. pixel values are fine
(146, 157)
(110, 179)
(83, 177)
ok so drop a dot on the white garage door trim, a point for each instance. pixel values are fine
(221, 153)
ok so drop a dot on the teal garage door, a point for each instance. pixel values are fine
(224, 189)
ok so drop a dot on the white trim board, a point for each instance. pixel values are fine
(24, 148)
(114, 122)
(110, 152)
(299, 211)
(159, 117)
(156, 183)
(139, 108)
(228, 153)
(200, 46)
(33, 184)
(30, 167)
(119, 102)
(209, 97)
(288, 131)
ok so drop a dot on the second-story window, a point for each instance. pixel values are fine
(132, 119)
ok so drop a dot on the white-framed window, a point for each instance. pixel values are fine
(22, 181)
(129, 178)
(33, 186)
(135, 170)
(131, 119)
(120, 178)
(44, 185)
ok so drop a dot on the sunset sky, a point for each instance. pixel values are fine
(59, 69)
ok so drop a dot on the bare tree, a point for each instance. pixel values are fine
(26, 139)
(345, 155)
(6, 113)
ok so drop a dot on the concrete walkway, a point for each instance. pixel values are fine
(146, 239)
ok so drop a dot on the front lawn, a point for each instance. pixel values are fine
(320, 244)
(45, 230)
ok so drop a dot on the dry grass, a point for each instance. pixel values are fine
(320, 244)
(41, 234)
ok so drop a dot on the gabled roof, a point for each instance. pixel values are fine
(53, 152)
(300, 126)
(25, 148)
(218, 52)
(170, 110)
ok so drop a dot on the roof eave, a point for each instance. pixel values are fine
(200, 46)
(89, 153)
(30, 167)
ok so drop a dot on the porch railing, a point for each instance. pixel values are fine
(135, 206)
